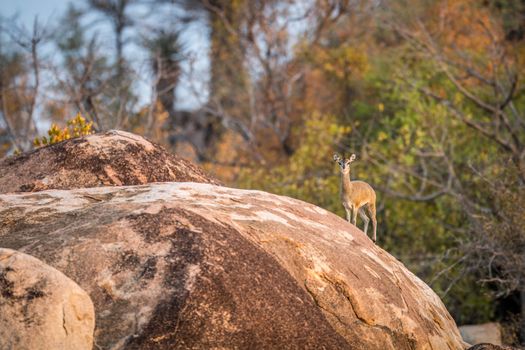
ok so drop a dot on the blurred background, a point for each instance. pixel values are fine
(428, 93)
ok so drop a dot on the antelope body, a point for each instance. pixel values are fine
(356, 196)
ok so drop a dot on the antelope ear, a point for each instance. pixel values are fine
(336, 157)
(352, 158)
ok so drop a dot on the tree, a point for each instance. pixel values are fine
(87, 74)
(20, 71)
(461, 81)
(251, 45)
(165, 55)
(116, 12)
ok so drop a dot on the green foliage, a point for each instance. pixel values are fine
(468, 301)
(76, 127)
(425, 234)
(390, 126)
(309, 174)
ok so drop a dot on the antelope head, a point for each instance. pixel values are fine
(344, 164)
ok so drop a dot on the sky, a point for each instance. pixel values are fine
(192, 91)
(28, 9)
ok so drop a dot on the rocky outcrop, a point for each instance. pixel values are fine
(40, 308)
(113, 158)
(193, 265)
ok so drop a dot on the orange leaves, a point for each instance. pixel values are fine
(464, 25)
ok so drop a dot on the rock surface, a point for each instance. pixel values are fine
(193, 265)
(40, 308)
(113, 158)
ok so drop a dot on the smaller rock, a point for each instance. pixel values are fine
(112, 158)
(487, 346)
(41, 308)
(481, 333)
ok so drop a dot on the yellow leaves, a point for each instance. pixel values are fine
(328, 67)
(76, 127)
(420, 138)
(336, 130)
(380, 107)
(343, 62)
(458, 98)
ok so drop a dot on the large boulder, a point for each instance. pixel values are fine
(194, 265)
(113, 158)
(40, 308)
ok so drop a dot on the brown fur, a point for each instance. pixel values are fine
(357, 196)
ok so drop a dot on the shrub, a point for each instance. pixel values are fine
(76, 127)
